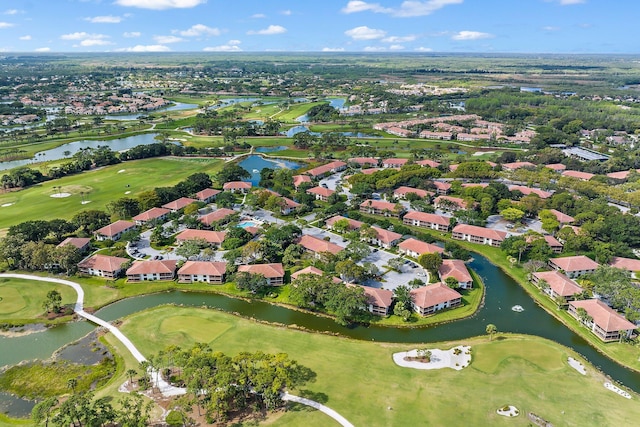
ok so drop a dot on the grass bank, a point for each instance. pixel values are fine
(529, 372)
(21, 302)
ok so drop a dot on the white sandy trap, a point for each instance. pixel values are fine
(511, 412)
(121, 170)
(6, 205)
(439, 359)
(616, 389)
(577, 365)
(60, 195)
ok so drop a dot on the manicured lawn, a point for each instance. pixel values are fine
(296, 110)
(360, 381)
(100, 187)
(21, 300)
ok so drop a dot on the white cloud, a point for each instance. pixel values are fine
(269, 31)
(396, 47)
(550, 28)
(27, 37)
(82, 36)
(570, 2)
(167, 39)
(333, 49)
(200, 30)
(231, 46)
(42, 49)
(94, 42)
(6, 24)
(374, 49)
(365, 33)
(471, 35)
(258, 16)
(398, 39)
(160, 4)
(131, 34)
(423, 49)
(12, 12)
(407, 9)
(286, 13)
(106, 19)
(143, 48)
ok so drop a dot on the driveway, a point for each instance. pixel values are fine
(393, 279)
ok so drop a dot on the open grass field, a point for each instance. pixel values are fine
(296, 110)
(21, 301)
(99, 187)
(360, 381)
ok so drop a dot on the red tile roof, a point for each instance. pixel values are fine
(313, 270)
(364, 160)
(552, 241)
(437, 293)
(206, 194)
(579, 175)
(395, 162)
(321, 170)
(203, 268)
(443, 186)
(103, 263)
(353, 224)
(556, 166)
(429, 163)
(386, 236)
(559, 283)
(237, 185)
(603, 315)
(321, 191)
(454, 268)
(178, 204)
(151, 214)
(267, 270)
(427, 217)
(575, 263)
(562, 218)
(625, 263)
(78, 242)
(115, 228)
(317, 245)
(379, 205)
(376, 296)
(299, 179)
(152, 266)
(456, 200)
(217, 215)
(420, 247)
(216, 237)
(518, 165)
(474, 230)
(403, 191)
(528, 190)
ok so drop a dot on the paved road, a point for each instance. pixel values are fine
(320, 407)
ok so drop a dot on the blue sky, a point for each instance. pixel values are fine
(519, 26)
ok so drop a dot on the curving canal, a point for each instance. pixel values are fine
(502, 293)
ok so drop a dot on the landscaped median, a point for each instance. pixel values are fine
(391, 395)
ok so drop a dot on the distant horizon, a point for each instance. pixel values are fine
(579, 27)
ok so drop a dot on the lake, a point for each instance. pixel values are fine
(254, 164)
(73, 147)
(178, 106)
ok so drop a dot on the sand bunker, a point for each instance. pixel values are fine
(616, 389)
(577, 365)
(456, 358)
(6, 205)
(121, 170)
(508, 411)
(84, 202)
(60, 195)
(127, 192)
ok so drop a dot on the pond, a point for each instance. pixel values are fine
(300, 128)
(73, 147)
(502, 294)
(271, 149)
(254, 164)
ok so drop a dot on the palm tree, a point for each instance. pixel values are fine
(130, 374)
(491, 329)
(72, 383)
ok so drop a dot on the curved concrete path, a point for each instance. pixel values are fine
(165, 388)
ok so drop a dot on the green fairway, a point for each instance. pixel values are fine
(99, 187)
(294, 111)
(21, 300)
(361, 382)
